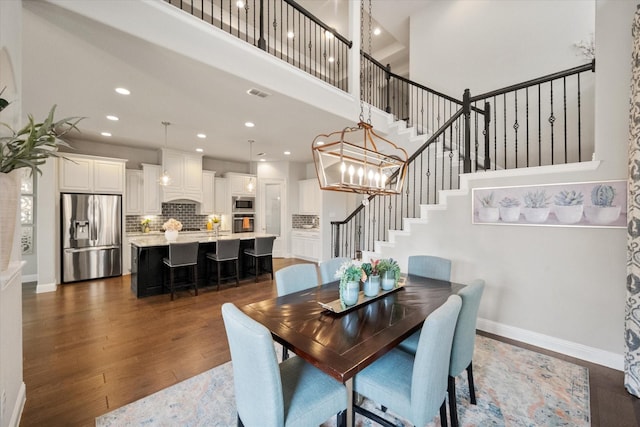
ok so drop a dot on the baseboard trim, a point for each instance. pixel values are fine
(16, 416)
(26, 278)
(579, 351)
(46, 287)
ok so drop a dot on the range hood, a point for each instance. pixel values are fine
(185, 170)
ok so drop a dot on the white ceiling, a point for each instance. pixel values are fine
(77, 63)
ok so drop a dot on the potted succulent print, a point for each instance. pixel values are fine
(536, 206)
(509, 209)
(350, 274)
(603, 210)
(488, 211)
(389, 272)
(372, 282)
(568, 206)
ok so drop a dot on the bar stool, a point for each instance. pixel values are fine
(182, 255)
(226, 250)
(262, 249)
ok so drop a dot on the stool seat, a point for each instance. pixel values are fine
(226, 250)
(262, 249)
(182, 255)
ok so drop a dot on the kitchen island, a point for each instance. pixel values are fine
(148, 250)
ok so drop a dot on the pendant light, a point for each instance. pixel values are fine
(165, 179)
(357, 159)
(250, 184)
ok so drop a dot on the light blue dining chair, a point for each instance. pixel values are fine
(329, 267)
(295, 278)
(429, 266)
(463, 344)
(414, 388)
(293, 393)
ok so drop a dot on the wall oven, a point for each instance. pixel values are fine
(240, 204)
(243, 223)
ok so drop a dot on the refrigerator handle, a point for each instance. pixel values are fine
(94, 220)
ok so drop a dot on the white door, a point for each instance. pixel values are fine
(271, 215)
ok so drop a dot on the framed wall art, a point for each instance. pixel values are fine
(581, 204)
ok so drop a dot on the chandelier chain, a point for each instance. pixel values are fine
(369, 82)
(361, 61)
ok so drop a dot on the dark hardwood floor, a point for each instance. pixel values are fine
(93, 346)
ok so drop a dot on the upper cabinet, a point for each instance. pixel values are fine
(222, 202)
(134, 194)
(90, 174)
(143, 191)
(208, 193)
(241, 184)
(309, 197)
(185, 171)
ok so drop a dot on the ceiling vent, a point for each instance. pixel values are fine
(257, 92)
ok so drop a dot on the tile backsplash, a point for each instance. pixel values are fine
(183, 212)
(297, 221)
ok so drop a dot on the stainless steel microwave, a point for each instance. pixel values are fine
(241, 204)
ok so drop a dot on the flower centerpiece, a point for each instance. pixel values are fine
(28, 147)
(390, 272)
(144, 225)
(372, 283)
(171, 229)
(350, 274)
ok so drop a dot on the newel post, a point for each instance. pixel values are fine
(262, 43)
(388, 78)
(466, 110)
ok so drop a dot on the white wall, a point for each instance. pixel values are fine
(488, 44)
(557, 287)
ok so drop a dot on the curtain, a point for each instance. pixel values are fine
(632, 309)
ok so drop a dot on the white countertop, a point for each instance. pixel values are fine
(143, 240)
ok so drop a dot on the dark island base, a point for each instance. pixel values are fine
(148, 271)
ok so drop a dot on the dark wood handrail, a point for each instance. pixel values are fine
(311, 16)
(533, 82)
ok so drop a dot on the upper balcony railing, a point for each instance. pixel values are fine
(282, 28)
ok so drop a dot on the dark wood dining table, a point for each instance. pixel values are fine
(342, 344)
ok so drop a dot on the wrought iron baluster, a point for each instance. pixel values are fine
(552, 120)
(515, 127)
(564, 99)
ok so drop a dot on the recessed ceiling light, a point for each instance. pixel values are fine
(201, 135)
(328, 34)
(320, 143)
(331, 59)
(377, 31)
(286, 153)
(123, 91)
(240, 3)
(199, 150)
(263, 160)
(290, 34)
(105, 134)
(249, 124)
(113, 118)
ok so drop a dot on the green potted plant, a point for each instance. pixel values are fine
(350, 274)
(372, 283)
(28, 147)
(389, 272)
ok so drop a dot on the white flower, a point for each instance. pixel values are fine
(173, 225)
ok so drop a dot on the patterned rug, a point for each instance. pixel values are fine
(514, 387)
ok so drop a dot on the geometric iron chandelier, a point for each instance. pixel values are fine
(357, 159)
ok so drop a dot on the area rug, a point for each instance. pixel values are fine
(514, 387)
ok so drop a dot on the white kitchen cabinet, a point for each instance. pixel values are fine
(185, 171)
(89, 174)
(134, 194)
(239, 184)
(208, 193)
(309, 197)
(222, 201)
(305, 245)
(151, 204)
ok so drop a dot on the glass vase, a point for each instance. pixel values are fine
(371, 287)
(388, 280)
(349, 293)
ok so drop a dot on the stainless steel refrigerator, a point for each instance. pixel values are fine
(91, 236)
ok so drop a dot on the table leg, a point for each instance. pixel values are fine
(349, 385)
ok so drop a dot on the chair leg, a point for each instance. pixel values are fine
(443, 414)
(237, 264)
(285, 353)
(472, 387)
(219, 268)
(195, 278)
(341, 420)
(240, 422)
(271, 264)
(171, 274)
(453, 406)
(257, 266)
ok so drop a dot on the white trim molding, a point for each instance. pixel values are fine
(579, 351)
(46, 287)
